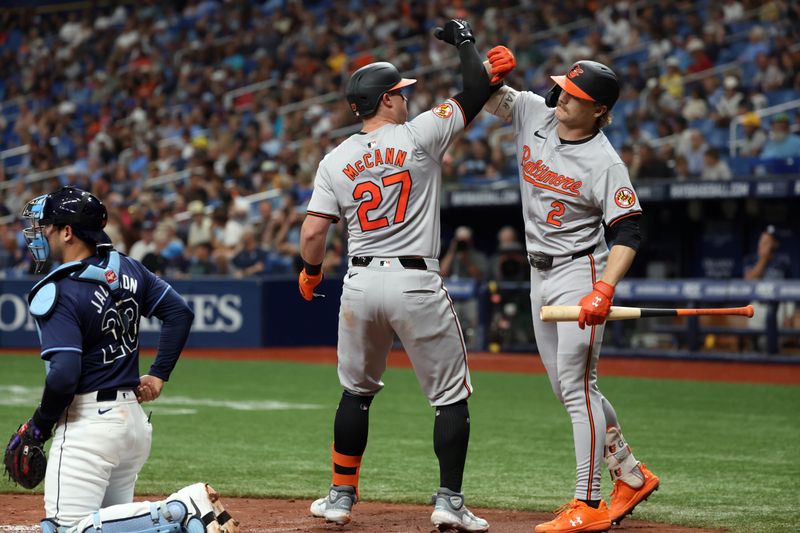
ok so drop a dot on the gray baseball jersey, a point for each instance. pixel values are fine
(386, 185)
(568, 190)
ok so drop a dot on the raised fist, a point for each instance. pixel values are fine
(455, 32)
(502, 61)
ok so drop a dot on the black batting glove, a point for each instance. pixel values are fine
(455, 32)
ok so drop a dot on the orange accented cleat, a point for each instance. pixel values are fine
(624, 497)
(575, 517)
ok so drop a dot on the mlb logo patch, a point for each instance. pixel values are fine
(386, 263)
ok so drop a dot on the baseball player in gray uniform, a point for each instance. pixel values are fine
(385, 182)
(572, 182)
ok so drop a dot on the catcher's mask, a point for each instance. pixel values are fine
(68, 206)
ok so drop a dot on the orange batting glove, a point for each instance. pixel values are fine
(596, 305)
(308, 283)
(502, 61)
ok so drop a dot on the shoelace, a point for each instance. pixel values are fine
(566, 507)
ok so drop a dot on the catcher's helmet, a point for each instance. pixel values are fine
(68, 206)
(369, 83)
(588, 80)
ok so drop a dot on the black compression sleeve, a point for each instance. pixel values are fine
(627, 232)
(476, 82)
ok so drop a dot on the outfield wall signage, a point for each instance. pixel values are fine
(227, 313)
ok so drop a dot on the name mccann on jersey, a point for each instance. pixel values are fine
(541, 176)
(387, 156)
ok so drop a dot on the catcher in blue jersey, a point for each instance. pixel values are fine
(87, 313)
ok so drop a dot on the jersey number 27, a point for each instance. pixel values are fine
(371, 189)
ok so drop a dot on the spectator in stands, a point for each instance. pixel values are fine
(145, 244)
(694, 152)
(200, 262)
(782, 143)
(699, 59)
(200, 224)
(727, 106)
(754, 136)
(462, 259)
(250, 260)
(768, 76)
(757, 45)
(672, 79)
(477, 160)
(732, 11)
(714, 168)
(651, 165)
(630, 157)
(509, 262)
(695, 105)
(681, 169)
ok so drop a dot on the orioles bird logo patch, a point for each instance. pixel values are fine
(624, 197)
(444, 110)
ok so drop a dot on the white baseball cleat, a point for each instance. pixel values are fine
(450, 513)
(337, 506)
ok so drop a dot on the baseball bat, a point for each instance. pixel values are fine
(566, 313)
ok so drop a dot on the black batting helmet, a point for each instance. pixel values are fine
(369, 83)
(77, 208)
(588, 80)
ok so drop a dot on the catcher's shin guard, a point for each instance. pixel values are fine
(156, 517)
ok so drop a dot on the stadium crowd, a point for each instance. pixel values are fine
(201, 123)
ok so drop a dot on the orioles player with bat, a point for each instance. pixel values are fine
(385, 181)
(572, 183)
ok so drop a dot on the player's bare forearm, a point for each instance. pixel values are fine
(620, 259)
(312, 239)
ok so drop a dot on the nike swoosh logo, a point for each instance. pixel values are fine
(103, 411)
(352, 274)
(536, 133)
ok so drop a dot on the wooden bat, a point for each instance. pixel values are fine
(566, 313)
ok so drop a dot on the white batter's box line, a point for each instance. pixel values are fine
(21, 395)
(237, 405)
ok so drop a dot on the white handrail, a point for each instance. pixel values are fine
(767, 111)
(37, 176)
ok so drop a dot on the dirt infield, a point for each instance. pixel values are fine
(278, 516)
(23, 511)
(732, 372)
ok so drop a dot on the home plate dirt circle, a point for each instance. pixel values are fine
(23, 512)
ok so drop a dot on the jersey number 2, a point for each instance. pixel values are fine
(376, 197)
(558, 211)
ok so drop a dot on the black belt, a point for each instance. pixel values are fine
(107, 395)
(541, 261)
(416, 263)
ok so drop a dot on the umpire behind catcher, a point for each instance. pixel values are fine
(87, 312)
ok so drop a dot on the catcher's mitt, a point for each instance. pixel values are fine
(25, 460)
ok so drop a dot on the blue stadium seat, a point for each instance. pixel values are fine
(789, 165)
(742, 166)
(718, 138)
(782, 96)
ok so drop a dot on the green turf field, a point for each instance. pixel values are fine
(727, 454)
